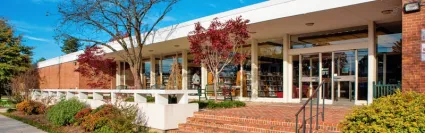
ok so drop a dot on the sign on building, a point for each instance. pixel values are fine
(423, 52)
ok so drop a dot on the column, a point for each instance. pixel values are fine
(254, 69)
(371, 76)
(286, 86)
(204, 75)
(160, 70)
(356, 78)
(185, 82)
(320, 77)
(153, 74)
(118, 74)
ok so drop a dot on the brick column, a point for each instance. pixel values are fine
(413, 69)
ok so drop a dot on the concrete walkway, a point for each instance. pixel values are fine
(9, 125)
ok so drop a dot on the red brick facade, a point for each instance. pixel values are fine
(63, 76)
(413, 69)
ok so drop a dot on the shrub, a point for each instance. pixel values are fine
(401, 112)
(30, 107)
(9, 110)
(63, 112)
(109, 118)
(79, 117)
(216, 105)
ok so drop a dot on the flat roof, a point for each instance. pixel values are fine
(256, 13)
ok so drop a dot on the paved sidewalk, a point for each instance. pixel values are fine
(9, 125)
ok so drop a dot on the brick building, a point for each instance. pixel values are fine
(296, 45)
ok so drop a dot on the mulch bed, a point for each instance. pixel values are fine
(42, 120)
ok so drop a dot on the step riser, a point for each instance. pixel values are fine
(265, 122)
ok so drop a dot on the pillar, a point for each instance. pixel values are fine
(118, 74)
(254, 69)
(152, 73)
(286, 86)
(97, 96)
(185, 82)
(204, 75)
(139, 98)
(371, 76)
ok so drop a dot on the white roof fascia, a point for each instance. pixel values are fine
(256, 13)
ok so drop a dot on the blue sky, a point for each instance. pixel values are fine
(37, 19)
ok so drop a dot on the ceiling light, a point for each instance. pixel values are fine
(309, 24)
(412, 7)
(385, 12)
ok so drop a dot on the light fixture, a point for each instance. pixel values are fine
(385, 12)
(411, 7)
(309, 24)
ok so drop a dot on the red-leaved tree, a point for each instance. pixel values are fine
(98, 69)
(219, 45)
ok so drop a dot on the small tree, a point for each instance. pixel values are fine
(70, 45)
(96, 67)
(219, 45)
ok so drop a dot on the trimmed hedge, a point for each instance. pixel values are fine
(218, 105)
(401, 112)
(63, 112)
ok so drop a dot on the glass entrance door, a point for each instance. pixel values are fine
(309, 71)
(336, 69)
(344, 75)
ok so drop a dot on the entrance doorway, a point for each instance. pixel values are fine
(336, 69)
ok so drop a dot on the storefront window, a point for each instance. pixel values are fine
(146, 75)
(389, 52)
(126, 77)
(362, 74)
(270, 58)
(335, 37)
(166, 69)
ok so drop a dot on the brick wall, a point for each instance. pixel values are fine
(63, 76)
(412, 68)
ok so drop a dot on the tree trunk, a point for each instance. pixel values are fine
(137, 78)
(215, 84)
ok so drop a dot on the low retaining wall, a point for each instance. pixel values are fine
(159, 115)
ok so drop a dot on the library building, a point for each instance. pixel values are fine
(349, 47)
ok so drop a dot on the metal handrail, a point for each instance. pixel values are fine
(309, 100)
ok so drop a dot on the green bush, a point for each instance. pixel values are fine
(398, 113)
(149, 99)
(9, 110)
(104, 129)
(216, 105)
(63, 112)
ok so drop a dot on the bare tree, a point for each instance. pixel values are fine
(129, 24)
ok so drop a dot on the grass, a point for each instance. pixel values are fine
(32, 123)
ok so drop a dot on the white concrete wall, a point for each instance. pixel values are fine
(159, 115)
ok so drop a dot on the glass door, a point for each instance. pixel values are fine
(309, 71)
(344, 75)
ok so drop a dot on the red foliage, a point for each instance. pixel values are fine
(79, 117)
(220, 39)
(96, 67)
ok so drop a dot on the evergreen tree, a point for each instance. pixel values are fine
(71, 45)
(15, 58)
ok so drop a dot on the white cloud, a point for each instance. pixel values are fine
(23, 26)
(38, 39)
(212, 5)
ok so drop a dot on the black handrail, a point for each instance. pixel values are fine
(304, 123)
